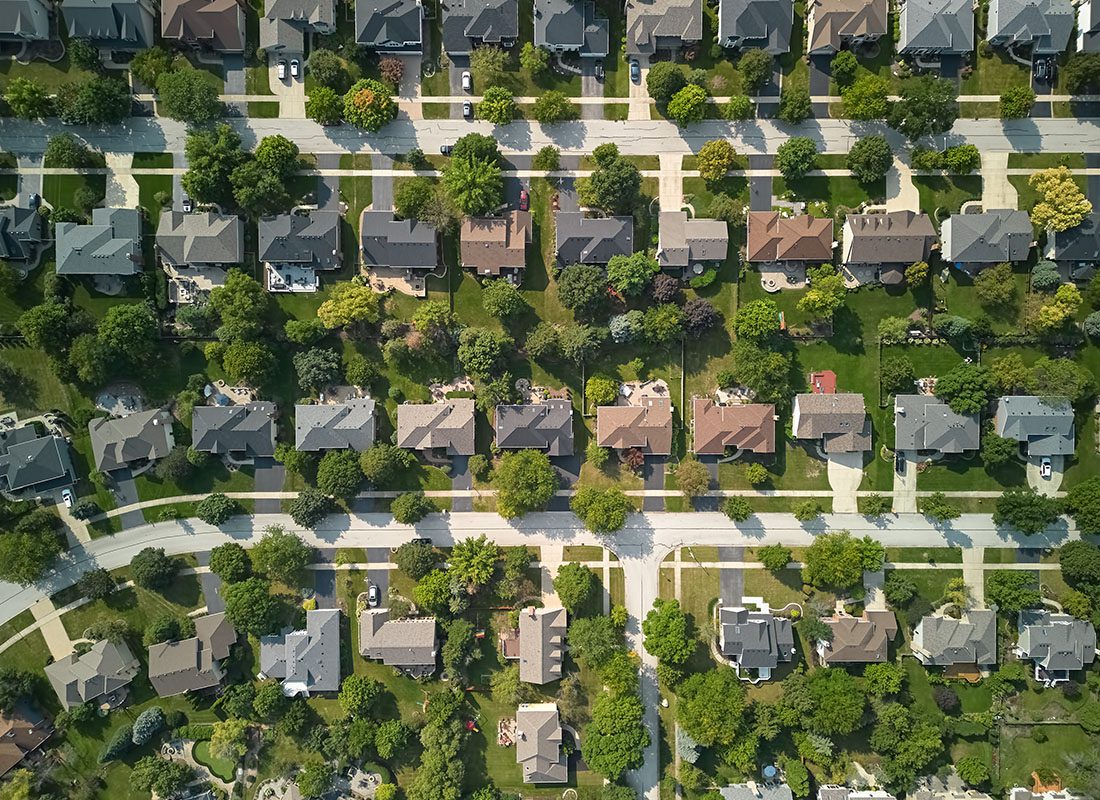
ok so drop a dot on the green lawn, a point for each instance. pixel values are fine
(993, 75)
(213, 477)
(58, 190)
(942, 195)
(1019, 755)
(51, 76)
(152, 161)
(138, 606)
(221, 767)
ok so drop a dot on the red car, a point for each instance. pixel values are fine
(524, 200)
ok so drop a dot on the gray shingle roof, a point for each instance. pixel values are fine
(942, 641)
(571, 26)
(110, 245)
(411, 645)
(470, 22)
(22, 231)
(544, 426)
(389, 25)
(309, 240)
(764, 24)
(27, 20)
(923, 422)
(113, 24)
(987, 238)
(1046, 24)
(448, 425)
(388, 242)
(653, 25)
(753, 639)
(756, 791)
(541, 644)
(538, 744)
(335, 426)
(683, 242)
(192, 664)
(305, 661)
(1045, 424)
(30, 461)
(938, 26)
(246, 429)
(580, 240)
(1056, 642)
(205, 237)
(105, 668)
(840, 420)
(145, 436)
(285, 23)
(1076, 244)
(897, 237)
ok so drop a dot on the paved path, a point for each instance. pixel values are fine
(997, 190)
(53, 631)
(901, 193)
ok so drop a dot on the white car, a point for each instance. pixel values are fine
(282, 70)
(467, 82)
(294, 68)
(67, 498)
(1044, 468)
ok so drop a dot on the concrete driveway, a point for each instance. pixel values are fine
(845, 476)
(639, 94)
(233, 65)
(270, 476)
(1036, 481)
(905, 484)
(29, 183)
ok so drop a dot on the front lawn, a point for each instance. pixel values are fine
(138, 606)
(991, 76)
(945, 194)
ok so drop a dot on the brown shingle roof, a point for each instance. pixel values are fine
(492, 244)
(218, 24)
(775, 238)
(448, 425)
(860, 640)
(647, 426)
(747, 427)
(839, 419)
(897, 237)
(834, 22)
(22, 731)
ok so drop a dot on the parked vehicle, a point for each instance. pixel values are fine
(35, 200)
(295, 67)
(899, 463)
(422, 540)
(1039, 69)
(599, 70)
(635, 71)
(188, 206)
(524, 200)
(1045, 468)
(445, 149)
(374, 596)
(281, 69)
(467, 82)
(67, 498)
(467, 109)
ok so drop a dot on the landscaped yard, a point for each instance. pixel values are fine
(221, 767)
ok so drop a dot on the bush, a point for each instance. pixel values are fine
(1045, 277)
(119, 744)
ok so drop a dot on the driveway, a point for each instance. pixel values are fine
(235, 78)
(820, 73)
(1036, 481)
(381, 579)
(459, 64)
(760, 186)
(29, 183)
(461, 479)
(653, 475)
(270, 476)
(1043, 87)
(569, 472)
(731, 581)
(324, 587)
(1092, 161)
(845, 476)
(126, 493)
(381, 185)
(328, 186)
(590, 87)
(211, 585)
(905, 485)
(639, 94)
(179, 161)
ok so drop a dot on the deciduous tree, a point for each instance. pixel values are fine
(1062, 204)
(369, 105)
(795, 157)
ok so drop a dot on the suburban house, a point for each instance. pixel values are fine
(33, 463)
(562, 26)
(496, 246)
(762, 24)
(832, 792)
(942, 641)
(470, 23)
(110, 245)
(974, 241)
(538, 744)
(195, 251)
(349, 425)
(238, 432)
(132, 440)
(583, 240)
(858, 640)
(408, 645)
(1044, 425)
(937, 27)
(662, 26)
(1088, 40)
(193, 664)
(802, 238)
(1057, 644)
(437, 426)
(123, 25)
(390, 26)
(286, 25)
(838, 421)
(716, 428)
(23, 234)
(544, 426)
(99, 673)
(305, 661)
(754, 640)
(216, 25)
(23, 729)
(25, 21)
(770, 790)
(887, 243)
(1079, 247)
(834, 25)
(924, 422)
(646, 425)
(1019, 793)
(1042, 25)
(293, 247)
(684, 243)
(541, 644)
(397, 243)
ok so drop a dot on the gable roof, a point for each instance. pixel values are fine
(23, 730)
(538, 744)
(408, 644)
(647, 426)
(754, 639)
(285, 22)
(924, 422)
(745, 427)
(756, 791)
(945, 26)
(117, 24)
(1056, 642)
(120, 441)
(765, 24)
(234, 429)
(389, 25)
(987, 238)
(541, 644)
(388, 242)
(24, 19)
(682, 241)
(204, 237)
(896, 237)
(22, 230)
(466, 22)
(772, 237)
(427, 426)
(30, 461)
(859, 640)
(1081, 243)
(653, 25)
(492, 244)
(309, 240)
(941, 641)
(839, 419)
(217, 24)
(832, 23)
(105, 668)
(1046, 23)
(307, 660)
(1045, 424)
(542, 426)
(580, 240)
(192, 664)
(575, 26)
(110, 245)
(335, 426)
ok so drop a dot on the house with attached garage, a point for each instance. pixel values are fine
(924, 423)
(109, 246)
(974, 241)
(546, 426)
(294, 247)
(447, 426)
(591, 240)
(844, 793)
(496, 246)
(240, 433)
(1076, 250)
(101, 673)
(305, 661)
(562, 26)
(349, 425)
(838, 421)
(400, 244)
(1044, 425)
(1057, 644)
(32, 464)
(216, 25)
(645, 425)
(691, 244)
(23, 729)
(110, 25)
(769, 790)
(196, 250)
(879, 247)
(541, 644)
(131, 441)
(286, 25)
(762, 24)
(834, 25)
(1088, 27)
(755, 642)
(801, 238)
(25, 20)
(192, 664)
(656, 28)
(716, 429)
(936, 28)
(408, 645)
(1043, 25)
(858, 640)
(390, 26)
(538, 744)
(23, 235)
(968, 640)
(471, 23)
